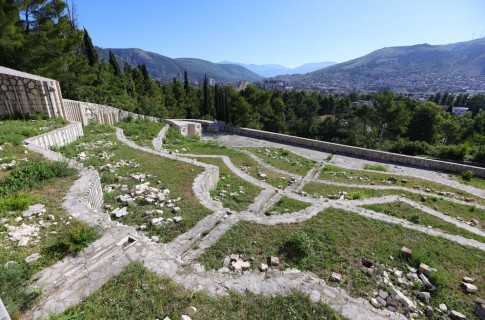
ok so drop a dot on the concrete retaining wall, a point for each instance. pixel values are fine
(373, 155)
(26, 94)
(58, 137)
(87, 113)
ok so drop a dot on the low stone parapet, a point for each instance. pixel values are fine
(59, 137)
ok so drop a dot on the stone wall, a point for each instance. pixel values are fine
(26, 94)
(369, 154)
(58, 137)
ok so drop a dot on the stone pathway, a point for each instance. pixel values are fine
(69, 281)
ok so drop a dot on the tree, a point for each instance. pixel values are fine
(424, 123)
(186, 81)
(476, 103)
(11, 38)
(114, 64)
(89, 50)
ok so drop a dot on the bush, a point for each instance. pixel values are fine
(15, 203)
(300, 246)
(71, 240)
(32, 174)
(467, 175)
(411, 148)
(356, 195)
(375, 167)
(452, 152)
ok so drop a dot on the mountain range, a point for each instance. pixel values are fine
(454, 67)
(272, 70)
(164, 68)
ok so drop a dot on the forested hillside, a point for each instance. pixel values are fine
(42, 37)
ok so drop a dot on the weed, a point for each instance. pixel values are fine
(375, 167)
(467, 175)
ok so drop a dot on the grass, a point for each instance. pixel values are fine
(15, 131)
(404, 211)
(473, 181)
(340, 240)
(284, 160)
(234, 192)
(141, 131)
(60, 237)
(139, 294)
(286, 205)
(338, 174)
(465, 212)
(175, 141)
(375, 167)
(174, 175)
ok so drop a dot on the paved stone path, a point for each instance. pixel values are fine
(69, 281)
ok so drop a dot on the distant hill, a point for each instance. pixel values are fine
(406, 67)
(272, 70)
(164, 68)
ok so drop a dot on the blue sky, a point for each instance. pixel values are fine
(287, 32)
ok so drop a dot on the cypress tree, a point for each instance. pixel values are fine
(89, 50)
(205, 91)
(186, 81)
(114, 64)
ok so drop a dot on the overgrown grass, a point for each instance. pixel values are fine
(472, 181)
(141, 131)
(31, 174)
(284, 160)
(351, 176)
(175, 141)
(139, 294)
(376, 167)
(340, 240)
(173, 175)
(404, 211)
(286, 205)
(234, 192)
(55, 231)
(15, 131)
(465, 212)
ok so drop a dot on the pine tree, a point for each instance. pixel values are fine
(89, 50)
(114, 64)
(11, 38)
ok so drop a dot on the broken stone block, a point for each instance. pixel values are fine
(426, 282)
(375, 303)
(470, 288)
(443, 307)
(425, 296)
(406, 252)
(120, 212)
(263, 267)
(383, 294)
(457, 315)
(468, 280)
(10, 264)
(245, 265)
(405, 301)
(424, 268)
(224, 270)
(337, 277)
(274, 261)
(185, 317)
(237, 265)
(191, 311)
(34, 210)
(227, 262)
(32, 258)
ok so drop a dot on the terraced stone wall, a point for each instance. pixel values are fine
(373, 155)
(86, 113)
(26, 94)
(58, 137)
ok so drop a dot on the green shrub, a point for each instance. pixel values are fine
(108, 178)
(412, 148)
(299, 246)
(452, 152)
(356, 195)
(15, 202)
(71, 240)
(330, 168)
(467, 175)
(375, 167)
(32, 174)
